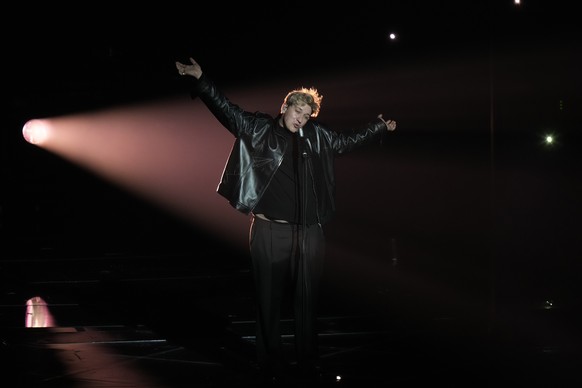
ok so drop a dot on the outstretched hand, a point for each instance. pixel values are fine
(192, 69)
(390, 124)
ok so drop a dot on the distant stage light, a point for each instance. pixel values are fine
(549, 139)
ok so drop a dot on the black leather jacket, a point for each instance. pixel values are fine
(258, 150)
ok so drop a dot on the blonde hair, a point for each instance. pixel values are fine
(300, 96)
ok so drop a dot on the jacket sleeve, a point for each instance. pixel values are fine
(230, 115)
(342, 142)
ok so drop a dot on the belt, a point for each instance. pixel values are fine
(264, 217)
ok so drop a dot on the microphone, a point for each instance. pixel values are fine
(303, 146)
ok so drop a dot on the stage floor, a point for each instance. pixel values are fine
(159, 321)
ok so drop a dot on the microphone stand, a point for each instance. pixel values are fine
(303, 265)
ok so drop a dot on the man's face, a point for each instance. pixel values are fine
(296, 116)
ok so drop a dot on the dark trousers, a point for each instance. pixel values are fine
(283, 271)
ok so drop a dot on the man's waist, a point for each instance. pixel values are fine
(266, 218)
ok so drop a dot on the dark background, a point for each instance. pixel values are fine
(465, 192)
